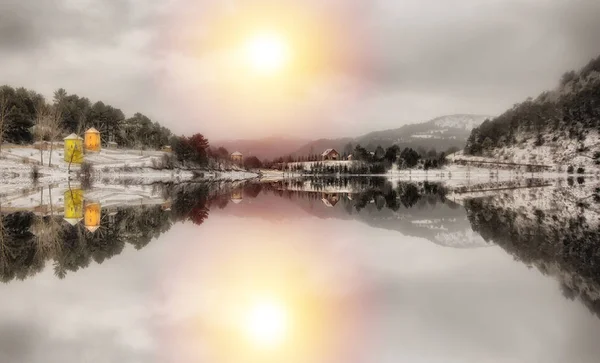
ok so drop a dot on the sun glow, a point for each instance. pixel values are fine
(266, 324)
(267, 53)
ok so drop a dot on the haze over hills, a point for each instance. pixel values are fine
(265, 148)
(440, 133)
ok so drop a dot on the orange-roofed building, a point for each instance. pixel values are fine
(92, 140)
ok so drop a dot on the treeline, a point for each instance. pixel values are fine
(370, 189)
(378, 161)
(26, 115)
(568, 113)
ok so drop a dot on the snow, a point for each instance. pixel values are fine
(418, 136)
(467, 122)
(110, 167)
(558, 155)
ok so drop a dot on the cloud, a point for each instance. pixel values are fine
(386, 62)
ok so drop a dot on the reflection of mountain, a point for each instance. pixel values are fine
(556, 229)
(413, 209)
(439, 221)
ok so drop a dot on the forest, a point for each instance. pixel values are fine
(26, 116)
(567, 113)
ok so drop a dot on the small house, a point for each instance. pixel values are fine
(92, 216)
(237, 157)
(350, 157)
(330, 154)
(73, 149)
(92, 140)
(111, 145)
(166, 148)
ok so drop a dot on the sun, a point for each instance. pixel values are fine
(266, 324)
(267, 52)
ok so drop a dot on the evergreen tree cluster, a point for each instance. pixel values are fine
(569, 113)
(20, 108)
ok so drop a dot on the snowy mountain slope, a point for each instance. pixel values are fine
(440, 133)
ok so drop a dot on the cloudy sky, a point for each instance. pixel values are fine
(355, 65)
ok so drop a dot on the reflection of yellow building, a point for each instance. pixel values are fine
(92, 216)
(73, 149)
(92, 140)
(73, 206)
(236, 196)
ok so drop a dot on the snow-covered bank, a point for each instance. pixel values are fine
(110, 167)
(556, 155)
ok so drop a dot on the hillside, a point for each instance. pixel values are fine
(559, 127)
(440, 133)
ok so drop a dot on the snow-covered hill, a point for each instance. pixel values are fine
(440, 133)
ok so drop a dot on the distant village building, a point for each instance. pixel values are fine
(73, 149)
(330, 154)
(166, 148)
(237, 157)
(111, 145)
(350, 157)
(92, 140)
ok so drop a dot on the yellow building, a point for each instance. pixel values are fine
(73, 149)
(92, 140)
(73, 206)
(93, 212)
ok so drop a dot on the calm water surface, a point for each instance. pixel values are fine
(334, 271)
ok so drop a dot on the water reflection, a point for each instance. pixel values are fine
(321, 270)
(556, 230)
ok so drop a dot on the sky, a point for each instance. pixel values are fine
(351, 66)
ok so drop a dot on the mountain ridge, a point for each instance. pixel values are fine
(441, 133)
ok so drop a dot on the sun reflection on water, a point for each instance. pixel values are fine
(269, 300)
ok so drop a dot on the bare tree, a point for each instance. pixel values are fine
(41, 117)
(53, 127)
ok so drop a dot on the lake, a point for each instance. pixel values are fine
(325, 270)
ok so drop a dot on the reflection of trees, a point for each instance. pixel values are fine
(365, 190)
(29, 241)
(568, 249)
